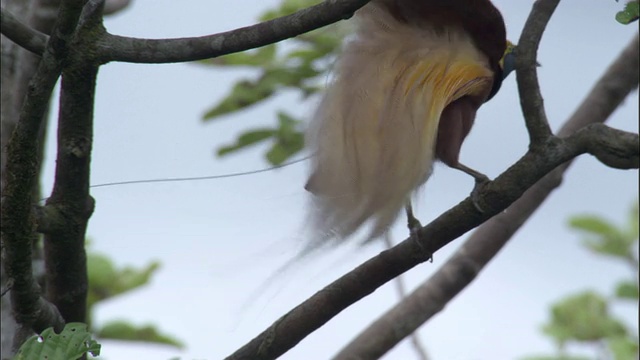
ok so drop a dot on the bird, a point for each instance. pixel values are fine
(405, 91)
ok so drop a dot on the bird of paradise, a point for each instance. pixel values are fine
(405, 93)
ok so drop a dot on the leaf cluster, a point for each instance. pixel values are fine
(630, 13)
(72, 343)
(297, 65)
(107, 281)
(584, 318)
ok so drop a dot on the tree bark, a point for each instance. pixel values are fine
(18, 67)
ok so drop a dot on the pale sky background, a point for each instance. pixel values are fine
(219, 240)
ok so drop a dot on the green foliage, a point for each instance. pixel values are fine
(247, 139)
(623, 348)
(584, 317)
(107, 281)
(627, 290)
(123, 330)
(297, 65)
(630, 13)
(606, 238)
(73, 342)
(287, 140)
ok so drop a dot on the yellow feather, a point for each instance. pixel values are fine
(374, 132)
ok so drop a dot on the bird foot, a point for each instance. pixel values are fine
(414, 226)
(480, 181)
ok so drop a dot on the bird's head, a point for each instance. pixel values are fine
(506, 66)
(508, 61)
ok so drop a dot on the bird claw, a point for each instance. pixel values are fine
(413, 223)
(475, 193)
(481, 180)
(414, 226)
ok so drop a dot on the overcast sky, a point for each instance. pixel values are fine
(219, 240)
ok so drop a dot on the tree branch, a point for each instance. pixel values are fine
(23, 35)
(32, 312)
(64, 251)
(526, 70)
(18, 69)
(620, 79)
(34, 40)
(119, 48)
(17, 217)
(614, 148)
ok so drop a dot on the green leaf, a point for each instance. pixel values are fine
(250, 92)
(630, 13)
(73, 342)
(287, 122)
(247, 139)
(244, 93)
(593, 224)
(605, 238)
(131, 278)
(100, 270)
(623, 348)
(582, 317)
(289, 140)
(627, 290)
(280, 152)
(122, 330)
(106, 281)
